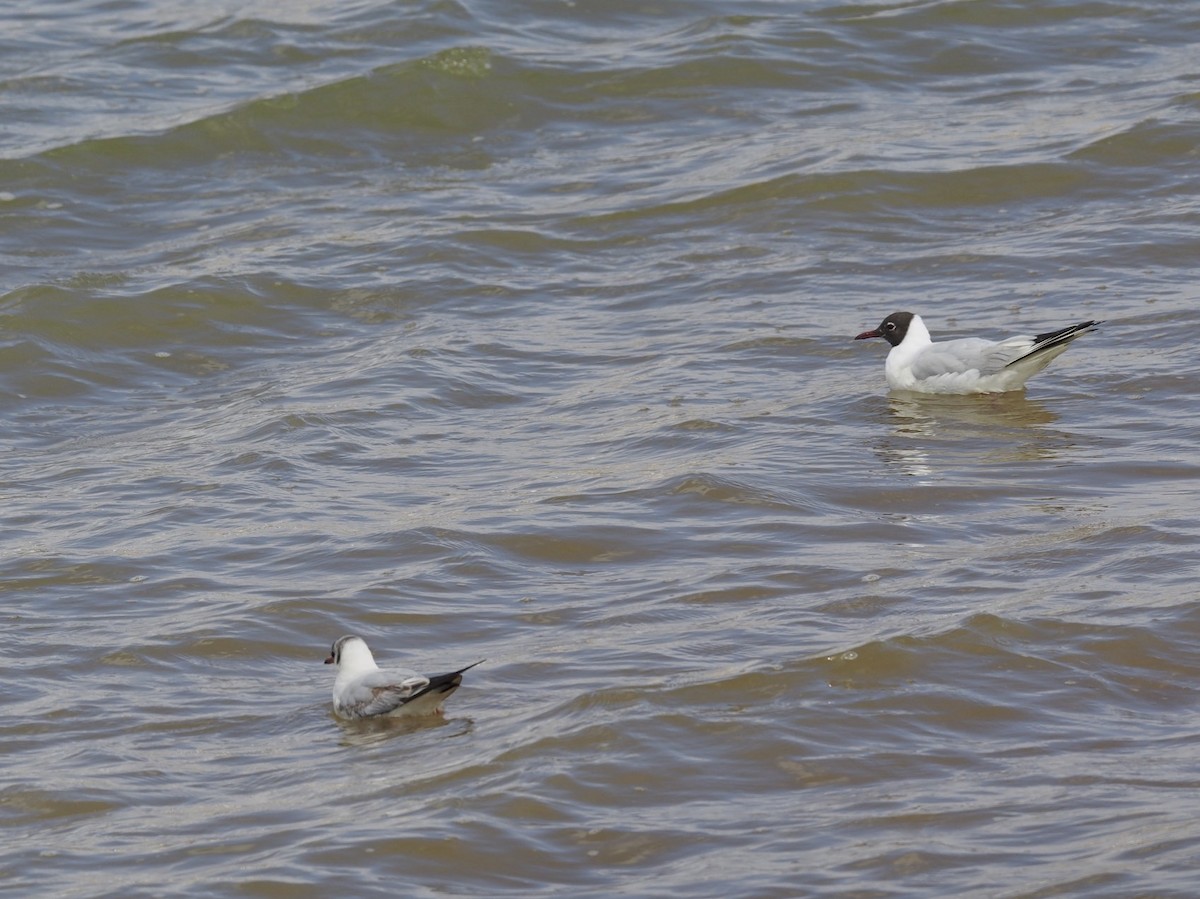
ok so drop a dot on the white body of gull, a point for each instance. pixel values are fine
(364, 690)
(967, 365)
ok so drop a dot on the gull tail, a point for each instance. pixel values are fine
(1049, 345)
(445, 683)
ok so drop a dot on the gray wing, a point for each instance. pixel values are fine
(1006, 352)
(969, 354)
(380, 692)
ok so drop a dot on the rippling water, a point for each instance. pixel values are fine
(522, 331)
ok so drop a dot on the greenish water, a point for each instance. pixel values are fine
(523, 332)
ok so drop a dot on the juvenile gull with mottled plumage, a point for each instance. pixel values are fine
(364, 690)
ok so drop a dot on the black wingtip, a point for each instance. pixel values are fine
(445, 683)
(1051, 339)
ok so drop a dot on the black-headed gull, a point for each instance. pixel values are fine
(364, 690)
(968, 365)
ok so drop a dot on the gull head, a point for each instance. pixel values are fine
(350, 651)
(893, 329)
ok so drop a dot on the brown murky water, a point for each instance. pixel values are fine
(522, 332)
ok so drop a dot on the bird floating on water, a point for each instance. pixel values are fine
(364, 690)
(967, 365)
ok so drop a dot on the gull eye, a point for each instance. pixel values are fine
(890, 326)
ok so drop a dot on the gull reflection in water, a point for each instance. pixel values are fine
(362, 732)
(934, 432)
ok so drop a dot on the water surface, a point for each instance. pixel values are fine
(523, 332)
